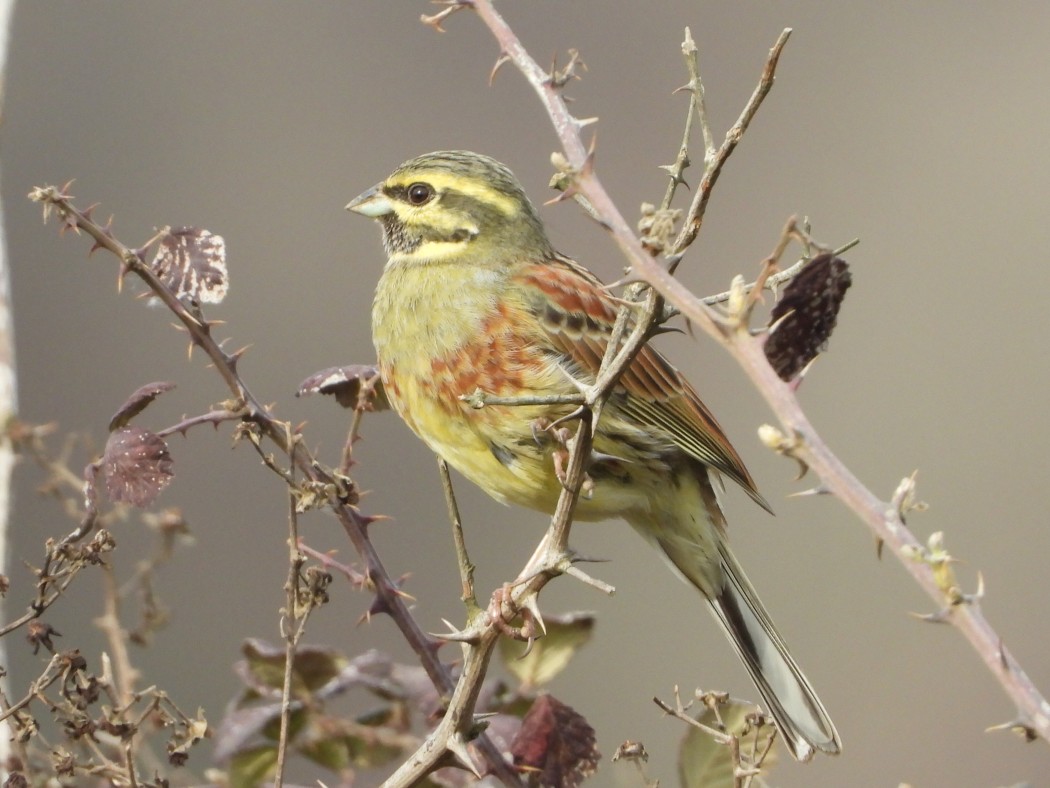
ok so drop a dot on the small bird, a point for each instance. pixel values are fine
(474, 297)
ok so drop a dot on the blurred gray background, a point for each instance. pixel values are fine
(920, 128)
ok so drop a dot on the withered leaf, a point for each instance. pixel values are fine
(191, 261)
(137, 402)
(136, 466)
(556, 747)
(806, 313)
(346, 384)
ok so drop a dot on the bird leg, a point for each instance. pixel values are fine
(562, 439)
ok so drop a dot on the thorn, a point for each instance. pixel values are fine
(940, 617)
(660, 330)
(453, 635)
(597, 456)
(565, 194)
(458, 749)
(581, 123)
(400, 591)
(630, 279)
(368, 519)
(69, 222)
(593, 582)
(1019, 726)
(588, 165)
(580, 411)
(435, 20)
(500, 61)
(1003, 661)
(977, 595)
(577, 558)
(820, 489)
(675, 173)
(236, 355)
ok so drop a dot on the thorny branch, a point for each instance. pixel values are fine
(257, 422)
(799, 438)
(553, 556)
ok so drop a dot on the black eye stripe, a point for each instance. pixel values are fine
(417, 193)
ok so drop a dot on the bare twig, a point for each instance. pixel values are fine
(124, 673)
(773, 283)
(293, 624)
(695, 216)
(466, 568)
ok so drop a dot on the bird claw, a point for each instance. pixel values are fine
(503, 610)
(560, 456)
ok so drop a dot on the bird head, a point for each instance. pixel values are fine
(453, 204)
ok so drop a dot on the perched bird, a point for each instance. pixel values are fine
(473, 296)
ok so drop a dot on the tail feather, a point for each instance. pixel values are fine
(798, 712)
(689, 529)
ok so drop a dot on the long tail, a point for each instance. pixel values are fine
(689, 528)
(798, 712)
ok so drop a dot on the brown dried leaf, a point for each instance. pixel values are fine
(346, 384)
(806, 314)
(191, 261)
(136, 466)
(137, 402)
(555, 747)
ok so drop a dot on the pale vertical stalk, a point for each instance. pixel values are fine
(8, 402)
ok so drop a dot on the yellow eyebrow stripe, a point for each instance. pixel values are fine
(450, 182)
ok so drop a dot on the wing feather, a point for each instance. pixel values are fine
(577, 315)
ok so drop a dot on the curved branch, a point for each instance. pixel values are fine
(882, 517)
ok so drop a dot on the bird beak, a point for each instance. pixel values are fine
(372, 203)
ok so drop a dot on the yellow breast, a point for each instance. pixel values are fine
(441, 334)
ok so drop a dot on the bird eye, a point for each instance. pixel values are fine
(420, 193)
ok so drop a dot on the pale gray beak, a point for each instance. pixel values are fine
(372, 203)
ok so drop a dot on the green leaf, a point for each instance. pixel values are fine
(550, 653)
(330, 753)
(297, 720)
(313, 667)
(366, 753)
(248, 768)
(704, 762)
